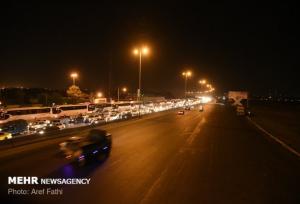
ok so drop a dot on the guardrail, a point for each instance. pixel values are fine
(34, 138)
(22, 140)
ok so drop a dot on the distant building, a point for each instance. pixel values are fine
(153, 98)
(100, 100)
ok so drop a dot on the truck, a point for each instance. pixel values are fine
(239, 99)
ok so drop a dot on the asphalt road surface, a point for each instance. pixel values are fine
(200, 157)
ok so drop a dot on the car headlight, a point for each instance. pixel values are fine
(63, 144)
(81, 157)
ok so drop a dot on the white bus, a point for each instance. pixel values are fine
(123, 107)
(72, 110)
(41, 113)
(25, 113)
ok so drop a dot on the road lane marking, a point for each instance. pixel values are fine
(286, 146)
(154, 186)
(196, 131)
(183, 149)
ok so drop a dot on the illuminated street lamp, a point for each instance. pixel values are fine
(139, 52)
(186, 74)
(99, 95)
(74, 76)
(124, 90)
(203, 81)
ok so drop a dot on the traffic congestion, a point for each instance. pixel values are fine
(25, 121)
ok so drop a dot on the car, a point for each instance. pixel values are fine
(15, 127)
(112, 116)
(79, 119)
(38, 125)
(46, 130)
(93, 119)
(187, 108)
(126, 115)
(57, 123)
(96, 145)
(65, 119)
(63, 146)
(5, 135)
(134, 112)
(201, 109)
(181, 112)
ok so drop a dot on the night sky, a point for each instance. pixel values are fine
(235, 46)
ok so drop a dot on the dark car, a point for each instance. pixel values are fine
(201, 109)
(126, 115)
(95, 146)
(47, 130)
(187, 108)
(15, 127)
(78, 120)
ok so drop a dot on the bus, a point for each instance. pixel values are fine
(25, 113)
(103, 107)
(42, 113)
(123, 107)
(72, 110)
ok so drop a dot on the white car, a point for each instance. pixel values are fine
(38, 124)
(112, 116)
(94, 119)
(58, 124)
(135, 113)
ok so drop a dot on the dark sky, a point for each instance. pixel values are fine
(236, 46)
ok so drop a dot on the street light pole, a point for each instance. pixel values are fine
(202, 82)
(140, 76)
(185, 86)
(74, 75)
(139, 52)
(124, 89)
(186, 75)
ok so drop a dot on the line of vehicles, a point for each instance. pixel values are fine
(35, 113)
(40, 120)
(96, 144)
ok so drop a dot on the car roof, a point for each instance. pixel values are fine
(74, 138)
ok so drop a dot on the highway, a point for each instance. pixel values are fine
(200, 157)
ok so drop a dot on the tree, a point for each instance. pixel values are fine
(76, 95)
(74, 92)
